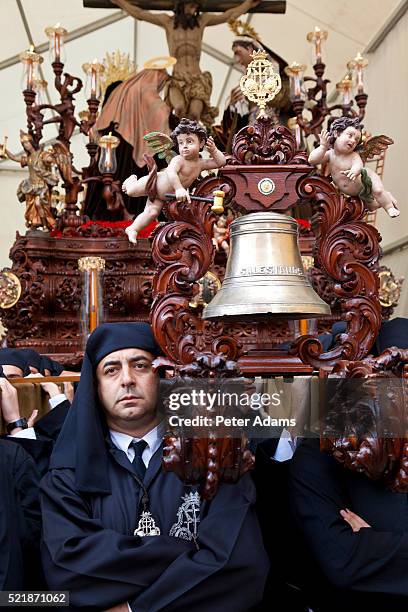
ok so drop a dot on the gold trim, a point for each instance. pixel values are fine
(10, 289)
(161, 62)
(91, 263)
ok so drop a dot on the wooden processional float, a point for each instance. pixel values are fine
(265, 281)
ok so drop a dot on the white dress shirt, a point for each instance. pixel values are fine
(153, 439)
(286, 447)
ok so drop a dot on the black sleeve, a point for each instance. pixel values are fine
(39, 450)
(27, 480)
(368, 560)
(50, 425)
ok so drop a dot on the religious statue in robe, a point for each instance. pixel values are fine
(190, 89)
(36, 190)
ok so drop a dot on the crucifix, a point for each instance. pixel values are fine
(212, 6)
(190, 89)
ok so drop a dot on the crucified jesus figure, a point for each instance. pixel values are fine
(190, 89)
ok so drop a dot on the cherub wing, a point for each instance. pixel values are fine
(161, 144)
(63, 160)
(373, 146)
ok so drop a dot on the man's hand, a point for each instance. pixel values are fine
(69, 391)
(182, 195)
(9, 401)
(324, 139)
(254, 3)
(119, 608)
(355, 521)
(51, 388)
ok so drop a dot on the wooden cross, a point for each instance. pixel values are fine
(207, 6)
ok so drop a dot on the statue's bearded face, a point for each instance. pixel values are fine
(186, 14)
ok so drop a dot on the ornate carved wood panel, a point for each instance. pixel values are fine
(47, 317)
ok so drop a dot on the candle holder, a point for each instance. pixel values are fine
(345, 87)
(31, 61)
(92, 302)
(261, 83)
(112, 192)
(316, 93)
(56, 35)
(93, 71)
(107, 161)
(357, 66)
(317, 37)
(40, 87)
(295, 73)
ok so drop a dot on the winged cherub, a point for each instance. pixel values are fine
(189, 138)
(342, 151)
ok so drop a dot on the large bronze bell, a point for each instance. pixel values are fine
(264, 274)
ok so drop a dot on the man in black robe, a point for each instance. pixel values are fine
(20, 520)
(106, 482)
(36, 437)
(352, 538)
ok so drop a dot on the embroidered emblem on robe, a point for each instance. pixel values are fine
(188, 517)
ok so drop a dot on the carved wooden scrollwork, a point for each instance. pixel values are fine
(183, 251)
(378, 455)
(347, 251)
(263, 144)
(47, 317)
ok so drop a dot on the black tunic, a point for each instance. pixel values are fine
(357, 570)
(20, 519)
(89, 547)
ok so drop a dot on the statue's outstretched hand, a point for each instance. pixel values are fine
(351, 174)
(324, 139)
(210, 145)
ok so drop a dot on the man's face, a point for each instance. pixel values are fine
(242, 55)
(189, 145)
(128, 388)
(12, 371)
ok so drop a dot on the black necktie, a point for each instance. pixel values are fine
(138, 464)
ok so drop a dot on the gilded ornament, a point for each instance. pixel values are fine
(261, 83)
(10, 289)
(117, 67)
(91, 263)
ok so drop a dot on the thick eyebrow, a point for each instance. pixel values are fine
(131, 360)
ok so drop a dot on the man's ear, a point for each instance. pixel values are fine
(202, 144)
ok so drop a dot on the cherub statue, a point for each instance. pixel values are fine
(342, 151)
(221, 234)
(189, 138)
(36, 190)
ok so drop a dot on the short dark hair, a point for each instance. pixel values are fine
(342, 123)
(187, 126)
